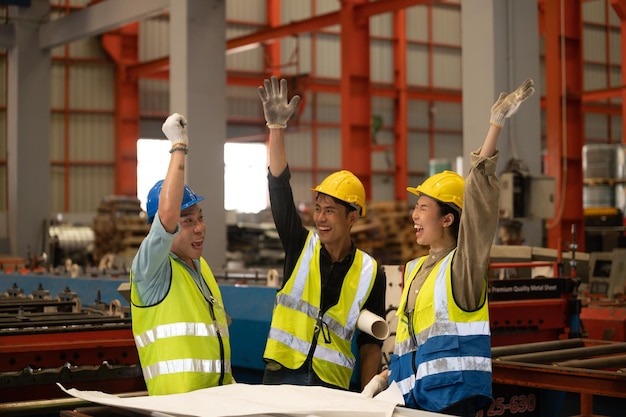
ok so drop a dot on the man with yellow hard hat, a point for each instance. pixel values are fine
(328, 281)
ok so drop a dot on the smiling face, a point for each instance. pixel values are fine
(333, 221)
(187, 245)
(431, 227)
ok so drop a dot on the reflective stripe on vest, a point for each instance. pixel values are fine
(178, 329)
(185, 365)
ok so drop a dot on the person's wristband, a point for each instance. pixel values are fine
(180, 147)
(275, 126)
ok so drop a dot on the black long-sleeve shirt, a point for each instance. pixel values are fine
(293, 236)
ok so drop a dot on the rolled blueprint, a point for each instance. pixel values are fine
(372, 324)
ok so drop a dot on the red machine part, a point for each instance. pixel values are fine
(605, 321)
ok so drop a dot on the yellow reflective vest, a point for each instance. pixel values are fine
(182, 341)
(442, 353)
(298, 325)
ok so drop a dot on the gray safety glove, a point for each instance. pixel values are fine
(508, 104)
(175, 129)
(276, 107)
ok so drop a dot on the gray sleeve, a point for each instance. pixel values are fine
(479, 222)
(151, 268)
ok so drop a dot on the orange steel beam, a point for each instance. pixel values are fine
(272, 49)
(355, 90)
(401, 106)
(620, 8)
(362, 11)
(122, 47)
(564, 126)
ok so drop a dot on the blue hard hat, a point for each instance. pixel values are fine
(189, 199)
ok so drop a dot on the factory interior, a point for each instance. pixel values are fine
(393, 90)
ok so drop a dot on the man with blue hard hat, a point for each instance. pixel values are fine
(179, 321)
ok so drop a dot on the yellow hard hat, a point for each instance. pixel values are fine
(344, 186)
(446, 186)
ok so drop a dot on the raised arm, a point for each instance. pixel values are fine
(171, 197)
(277, 110)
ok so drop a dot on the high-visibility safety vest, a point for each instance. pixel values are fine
(443, 355)
(183, 341)
(298, 326)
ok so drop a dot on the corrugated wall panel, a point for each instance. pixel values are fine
(596, 127)
(417, 64)
(299, 148)
(594, 11)
(326, 6)
(417, 155)
(595, 77)
(328, 59)
(329, 151)
(295, 54)
(594, 45)
(291, 11)
(381, 61)
(446, 25)
(447, 68)
(154, 96)
(154, 38)
(249, 60)
(97, 79)
(417, 23)
(616, 128)
(328, 108)
(57, 131)
(244, 102)
(418, 112)
(57, 189)
(448, 115)
(382, 25)
(88, 185)
(92, 138)
(615, 47)
(246, 10)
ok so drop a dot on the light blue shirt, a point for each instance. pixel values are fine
(151, 268)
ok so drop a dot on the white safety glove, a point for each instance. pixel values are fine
(377, 384)
(508, 104)
(276, 108)
(175, 129)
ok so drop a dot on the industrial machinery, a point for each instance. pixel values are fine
(46, 339)
(604, 312)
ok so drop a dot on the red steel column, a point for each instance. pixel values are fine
(564, 121)
(122, 47)
(356, 147)
(272, 48)
(400, 106)
(620, 8)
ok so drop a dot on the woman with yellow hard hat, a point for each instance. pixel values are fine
(442, 350)
(328, 281)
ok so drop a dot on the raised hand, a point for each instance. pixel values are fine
(276, 107)
(508, 104)
(175, 129)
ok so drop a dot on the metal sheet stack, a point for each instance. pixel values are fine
(604, 172)
(119, 227)
(387, 233)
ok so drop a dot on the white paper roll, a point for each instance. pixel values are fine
(373, 325)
